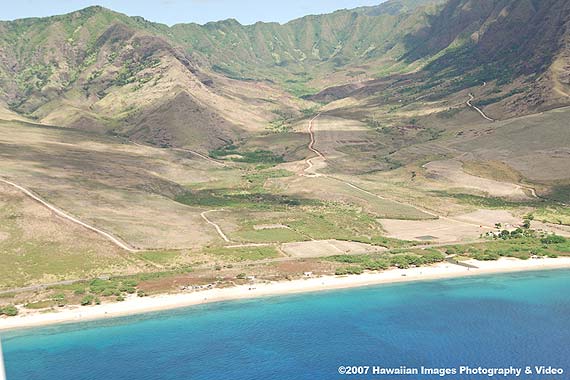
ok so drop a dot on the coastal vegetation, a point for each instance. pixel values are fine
(521, 247)
(386, 261)
(9, 310)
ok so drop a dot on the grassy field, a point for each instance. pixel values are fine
(38, 247)
(122, 188)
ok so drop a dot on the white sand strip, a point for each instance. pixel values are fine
(136, 305)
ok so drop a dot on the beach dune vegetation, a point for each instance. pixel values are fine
(10, 310)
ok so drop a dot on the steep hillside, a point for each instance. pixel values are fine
(207, 85)
(519, 48)
(309, 47)
(102, 71)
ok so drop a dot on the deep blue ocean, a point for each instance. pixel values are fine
(493, 321)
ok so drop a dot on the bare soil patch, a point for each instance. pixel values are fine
(324, 248)
(449, 230)
(451, 172)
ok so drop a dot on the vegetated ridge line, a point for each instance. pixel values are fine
(64, 215)
(471, 105)
(217, 227)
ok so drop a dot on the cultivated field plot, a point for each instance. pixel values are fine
(465, 227)
(324, 248)
(319, 221)
(346, 144)
(451, 171)
(431, 230)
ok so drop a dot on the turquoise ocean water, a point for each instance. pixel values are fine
(493, 321)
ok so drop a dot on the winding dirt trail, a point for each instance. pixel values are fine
(216, 226)
(313, 140)
(209, 159)
(72, 219)
(202, 156)
(479, 110)
(308, 171)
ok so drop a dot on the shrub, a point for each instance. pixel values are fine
(400, 262)
(433, 257)
(87, 300)
(377, 265)
(486, 256)
(131, 290)
(553, 239)
(10, 310)
(349, 270)
(59, 299)
(130, 283)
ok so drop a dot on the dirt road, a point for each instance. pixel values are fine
(471, 105)
(72, 219)
(309, 172)
(217, 227)
(204, 157)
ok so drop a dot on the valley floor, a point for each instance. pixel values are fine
(137, 305)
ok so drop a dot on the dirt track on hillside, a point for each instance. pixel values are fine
(64, 215)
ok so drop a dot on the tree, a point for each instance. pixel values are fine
(505, 234)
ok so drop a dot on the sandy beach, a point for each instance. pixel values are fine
(137, 305)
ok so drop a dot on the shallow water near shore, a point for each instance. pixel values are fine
(518, 319)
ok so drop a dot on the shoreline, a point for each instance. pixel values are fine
(134, 305)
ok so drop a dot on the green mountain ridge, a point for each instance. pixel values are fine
(101, 70)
